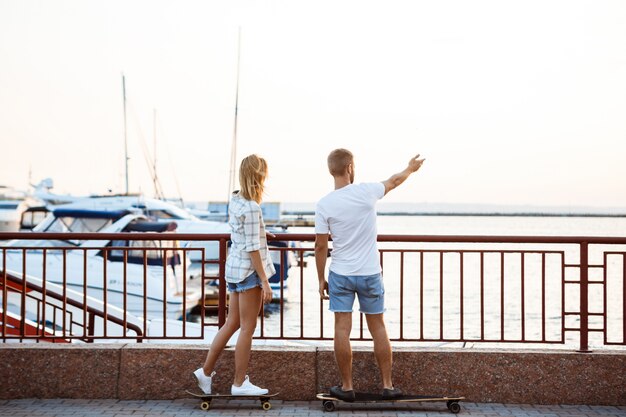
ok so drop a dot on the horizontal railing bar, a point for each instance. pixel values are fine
(576, 313)
(459, 251)
(428, 340)
(309, 237)
(95, 248)
(576, 329)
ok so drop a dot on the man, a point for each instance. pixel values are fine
(348, 215)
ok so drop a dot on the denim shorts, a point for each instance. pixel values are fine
(251, 281)
(369, 289)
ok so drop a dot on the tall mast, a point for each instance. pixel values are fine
(125, 131)
(154, 162)
(233, 149)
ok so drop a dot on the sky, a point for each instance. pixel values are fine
(510, 102)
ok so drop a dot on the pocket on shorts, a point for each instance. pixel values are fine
(339, 284)
(374, 286)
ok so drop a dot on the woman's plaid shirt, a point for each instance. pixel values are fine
(247, 234)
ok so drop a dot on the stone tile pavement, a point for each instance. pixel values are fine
(190, 407)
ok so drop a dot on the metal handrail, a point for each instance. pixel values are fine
(93, 312)
(582, 242)
(309, 237)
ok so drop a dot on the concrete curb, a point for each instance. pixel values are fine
(153, 371)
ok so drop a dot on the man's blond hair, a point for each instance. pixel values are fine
(252, 174)
(338, 161)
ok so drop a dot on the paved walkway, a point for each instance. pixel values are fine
(190, 407)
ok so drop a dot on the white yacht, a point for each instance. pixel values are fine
(162, 211)
(49, 312)
(96, 267)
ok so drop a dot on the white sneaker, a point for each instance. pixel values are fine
(247, 388)
(204, 382)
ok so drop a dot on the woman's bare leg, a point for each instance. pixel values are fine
(249, 306)
(223, 335)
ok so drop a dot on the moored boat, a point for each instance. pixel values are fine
(163, 212)
(147, 281)
(12, 204)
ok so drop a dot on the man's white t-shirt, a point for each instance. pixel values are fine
(349, 215)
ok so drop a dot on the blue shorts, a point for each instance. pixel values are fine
(251, 281)
(369, 289)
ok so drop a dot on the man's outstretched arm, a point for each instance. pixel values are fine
(395, 180)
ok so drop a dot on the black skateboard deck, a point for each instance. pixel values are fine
(328, 401)
(207, 398)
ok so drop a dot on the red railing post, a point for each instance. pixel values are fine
(584, 297)
(221, 305)
(91, 325)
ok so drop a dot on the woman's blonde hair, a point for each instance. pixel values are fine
(252, 174)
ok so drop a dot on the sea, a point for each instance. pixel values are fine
(435, 315)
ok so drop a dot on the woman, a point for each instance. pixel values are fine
(248, 267)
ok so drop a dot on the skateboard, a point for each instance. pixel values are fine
(207, 398)
(328, 401)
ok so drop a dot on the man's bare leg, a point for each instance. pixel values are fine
(382, 347)
(343, 350)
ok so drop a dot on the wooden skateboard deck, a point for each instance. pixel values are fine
(328, 401)
(207, 398)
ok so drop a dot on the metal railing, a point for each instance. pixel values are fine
(60, 326)
(481, 289)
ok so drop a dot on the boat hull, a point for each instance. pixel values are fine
(142, 292)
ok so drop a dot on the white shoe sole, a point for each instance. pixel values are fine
(251, 393)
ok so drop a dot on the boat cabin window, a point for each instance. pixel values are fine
(166, 213)
(161, 214)
(9, 206)
(31, 218)
(153, 250)
(78, 224)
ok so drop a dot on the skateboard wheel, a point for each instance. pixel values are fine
(454, 407)
(266, 405)
(205, 405)
(328, 406)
